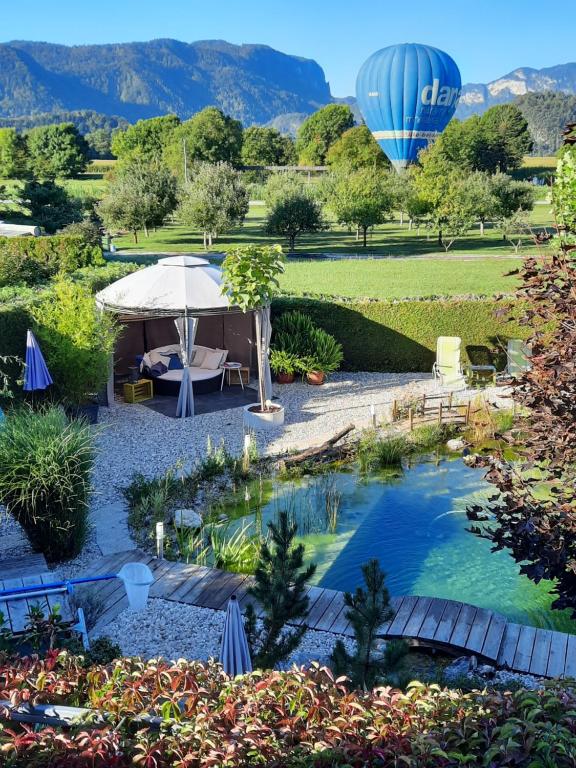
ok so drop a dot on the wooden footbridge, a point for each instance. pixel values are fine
(447, 625)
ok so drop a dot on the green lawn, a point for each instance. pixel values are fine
(389, 239)
(400, 278)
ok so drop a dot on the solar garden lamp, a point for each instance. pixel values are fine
(160, 540)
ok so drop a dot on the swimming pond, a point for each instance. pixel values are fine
(414, 522)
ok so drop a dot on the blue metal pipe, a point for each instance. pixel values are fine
(67, 585)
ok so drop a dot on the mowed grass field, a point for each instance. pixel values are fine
(389, 239)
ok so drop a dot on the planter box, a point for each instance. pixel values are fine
(266, 420)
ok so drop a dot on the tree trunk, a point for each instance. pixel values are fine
(259, 356)
(410, 224)
(292, 242)
(135, 233)
(145, 230)
(440, 241)
(357, 233)
(401, 218)
(209, 239)
(364, 231)
(481, 228)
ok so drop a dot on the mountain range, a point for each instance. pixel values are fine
(253, 83)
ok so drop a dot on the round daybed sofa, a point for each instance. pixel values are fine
(164, 366)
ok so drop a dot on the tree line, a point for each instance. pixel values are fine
(191, 170)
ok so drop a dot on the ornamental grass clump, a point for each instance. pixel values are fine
(45, 467)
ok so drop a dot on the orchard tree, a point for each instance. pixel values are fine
(214, 201)
(140, 196)
(479, 197)
(361, 199)
(356, 149)
(319, 131)
(13, 154)
(514, 228)
(511, 195)
(145, 139)
(56, 151)
(267, 146)
(284, 183)
(210, 136)
(294, 214)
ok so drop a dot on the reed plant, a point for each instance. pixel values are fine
(45, 467)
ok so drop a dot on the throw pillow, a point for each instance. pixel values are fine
(224, 354)
(213, 360)
(199, 355)
(175, 363)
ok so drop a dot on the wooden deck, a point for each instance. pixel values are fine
(15, 612)
(447, 625)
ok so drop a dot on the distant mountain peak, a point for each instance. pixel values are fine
(251, 82)
(478, 97)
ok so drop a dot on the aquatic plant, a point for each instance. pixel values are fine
(375, 452)
(236, 552)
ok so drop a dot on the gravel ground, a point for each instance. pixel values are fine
(174, 630)
(133, 438)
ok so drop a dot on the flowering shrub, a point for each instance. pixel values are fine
(296, 719)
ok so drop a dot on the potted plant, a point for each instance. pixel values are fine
(284, 365)
(250, 276)
(325, 358)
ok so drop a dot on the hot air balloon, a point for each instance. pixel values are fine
(407, 95)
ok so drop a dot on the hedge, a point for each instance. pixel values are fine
(31, 260)
(294, 719)
(401, 336)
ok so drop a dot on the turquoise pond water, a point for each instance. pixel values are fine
(414, 522)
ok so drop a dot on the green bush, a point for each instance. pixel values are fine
(45, 466)
(31, 260)
(401, 336)
(76, 339)
(312, 349)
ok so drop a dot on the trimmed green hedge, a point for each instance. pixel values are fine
(31, 260)
(401, 336)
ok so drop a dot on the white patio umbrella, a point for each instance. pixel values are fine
(234, 653)
(185, 286)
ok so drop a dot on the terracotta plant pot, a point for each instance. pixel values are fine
(315, 377)
(285, 378)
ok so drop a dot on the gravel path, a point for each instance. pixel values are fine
(174, 630)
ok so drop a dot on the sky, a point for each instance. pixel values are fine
(487, 38)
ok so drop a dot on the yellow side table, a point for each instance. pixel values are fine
(143, 389)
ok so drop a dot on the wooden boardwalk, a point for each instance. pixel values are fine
(447, 625)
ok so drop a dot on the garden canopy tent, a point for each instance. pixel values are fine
(183, 287)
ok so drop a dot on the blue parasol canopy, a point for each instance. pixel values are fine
(234, 654)
(36, 374)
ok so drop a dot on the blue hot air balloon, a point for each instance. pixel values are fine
(407, 95)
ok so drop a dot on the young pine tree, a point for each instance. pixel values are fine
(369, 609)
(280, 590)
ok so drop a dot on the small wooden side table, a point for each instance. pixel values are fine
(481, 375)
(143, 389)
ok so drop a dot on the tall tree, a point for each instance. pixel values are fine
(99, 144)
(140, 196)
(214, 201)
(56, 151)
(356, 149)
(361, 198)
(280, 589)
(511, 195)
(506, 132)
(209, 136)
(480, 198)
(267, 146)
(13, 155)
(318, 132)
(145, 139)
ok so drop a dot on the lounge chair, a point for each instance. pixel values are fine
(517, 358)
(447, 369)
